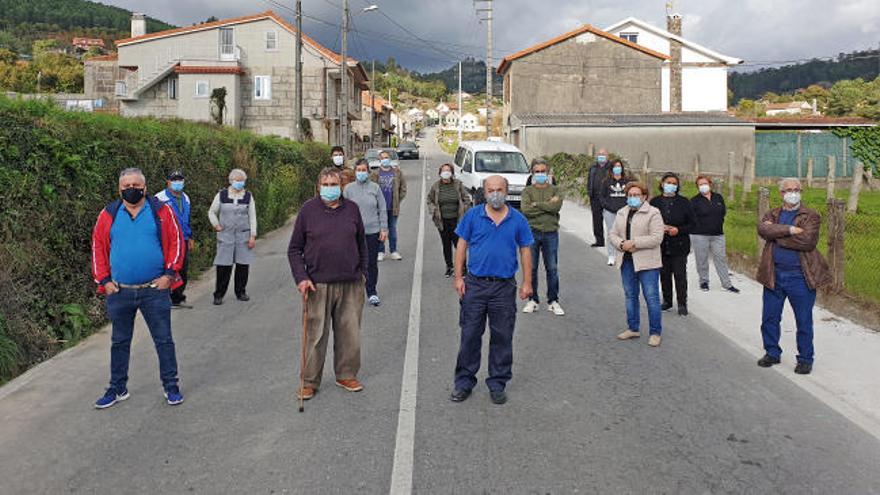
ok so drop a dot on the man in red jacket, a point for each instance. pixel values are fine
(137, 252)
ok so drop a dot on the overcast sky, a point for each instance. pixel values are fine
(754, 30)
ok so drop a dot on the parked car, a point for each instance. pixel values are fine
(372, 156)
(476, 160)
(408, 149)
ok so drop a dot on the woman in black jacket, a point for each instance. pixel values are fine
(707, 236)
(678, 217)
(612, 200)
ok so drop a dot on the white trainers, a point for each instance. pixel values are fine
(556, 309)
(531, 307)
(396, 256)
(381, 257)
(611, 261)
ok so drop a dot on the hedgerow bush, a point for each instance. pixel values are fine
(58, 169)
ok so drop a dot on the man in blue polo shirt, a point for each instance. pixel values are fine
(490, 236)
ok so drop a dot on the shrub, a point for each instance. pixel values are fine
(58, 169)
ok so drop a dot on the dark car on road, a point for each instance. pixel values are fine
(408, 150)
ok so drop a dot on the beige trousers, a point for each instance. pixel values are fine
(338, 307)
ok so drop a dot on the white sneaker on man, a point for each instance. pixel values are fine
(531, 307)
(611, 261)
(381, 257)
(396, 256)
(556, 309)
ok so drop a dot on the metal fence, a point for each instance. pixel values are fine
(789, 154)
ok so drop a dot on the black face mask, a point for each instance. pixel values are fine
(132, 195)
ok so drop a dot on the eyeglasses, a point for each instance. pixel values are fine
(792, 190)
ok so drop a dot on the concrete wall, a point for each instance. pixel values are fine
(669, 147)
(586, 74)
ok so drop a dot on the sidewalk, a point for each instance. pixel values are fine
(847, 367)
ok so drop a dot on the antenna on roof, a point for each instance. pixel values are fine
(670, 7)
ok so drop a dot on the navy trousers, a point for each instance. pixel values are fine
(793, 286)
(495, 301)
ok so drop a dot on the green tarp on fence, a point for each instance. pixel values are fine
(777, 155)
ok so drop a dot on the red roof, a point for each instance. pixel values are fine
(239, 20)
(586, 28)
(201, 69)
(112, 57)
(378, 102)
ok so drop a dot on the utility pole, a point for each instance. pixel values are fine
(298, 130)
(372, 104)
(344, 68)
(488, 12)
(459, 101)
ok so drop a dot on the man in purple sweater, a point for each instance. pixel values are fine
(328, 258)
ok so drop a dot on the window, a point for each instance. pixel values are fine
(271, 41)
(202, 89)
(263, 87)
(227, 44)
(459, 157)
(172, 88)
(121, 89)
(632, 37)
(468, 162)
(500, 162)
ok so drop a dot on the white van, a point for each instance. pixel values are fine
(476, 160)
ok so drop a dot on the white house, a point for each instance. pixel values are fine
(432, 114)
(791, 108)
(442, 108)
(703, 71)
(450, 120)
(483, 111)
(471, 123)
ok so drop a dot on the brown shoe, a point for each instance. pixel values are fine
(628, 334)
(654, 340)
(306, 393)
(352, 385)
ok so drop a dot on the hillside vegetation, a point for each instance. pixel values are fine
(58, 169)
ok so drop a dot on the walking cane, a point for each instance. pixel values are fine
(302, 362)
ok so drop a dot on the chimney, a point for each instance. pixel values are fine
(138, 25)
(815, 107)
(673, 25)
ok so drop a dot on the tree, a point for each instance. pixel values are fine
(845, 97)
(749, 108)
(43, 46)
(218, 104)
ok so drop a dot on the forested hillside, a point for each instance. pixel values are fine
(473, 78)
(864, 65)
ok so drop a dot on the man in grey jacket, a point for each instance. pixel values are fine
(595, 189)
(371, 202)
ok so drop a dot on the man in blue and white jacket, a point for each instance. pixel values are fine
(174, 196)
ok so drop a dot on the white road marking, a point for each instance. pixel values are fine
(402, 472)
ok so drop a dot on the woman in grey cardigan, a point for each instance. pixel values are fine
(448, 201)
(374, 214)
(233, 214)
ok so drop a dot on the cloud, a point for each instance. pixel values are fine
(755, 30)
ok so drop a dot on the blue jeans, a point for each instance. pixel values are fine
(546, 245)
(495, 300)
(155, 305)
(392, 234)
(791, 285)
(372, 263)
(649, 280)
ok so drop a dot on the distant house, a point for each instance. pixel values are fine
(450, 120)
(85, 44)
(622, 93)
(466, 96)
(700, 72)
(483, 111)
(416, 115)
(471, 123)
(172, 74)
(382, 113)
(791, 108)
(442, 108)
(432, 115)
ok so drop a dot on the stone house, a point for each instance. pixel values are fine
(171, 74)
(382, 125)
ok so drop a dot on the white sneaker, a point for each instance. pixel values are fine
(396, 256)
(531, 307)
(381, 257)
(611, 261)
(556, 309)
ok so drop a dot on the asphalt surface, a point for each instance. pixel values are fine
(587, 414)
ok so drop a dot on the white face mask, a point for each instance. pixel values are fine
(446, 175)
(792, 198)
(338, 160)
(705, 188)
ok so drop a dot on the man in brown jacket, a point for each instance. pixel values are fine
(791, 268)
(393, 186)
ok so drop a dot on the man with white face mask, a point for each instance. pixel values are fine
(791, 268)
(337, 155)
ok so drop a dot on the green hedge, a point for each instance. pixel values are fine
(58, 169)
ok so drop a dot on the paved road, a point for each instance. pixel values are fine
(587, 414)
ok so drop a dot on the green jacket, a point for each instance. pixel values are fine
(398, 191)
(464, 202)
(541, 207)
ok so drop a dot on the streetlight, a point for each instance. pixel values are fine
(344, 68)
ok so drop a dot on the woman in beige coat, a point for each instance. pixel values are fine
(638, 233)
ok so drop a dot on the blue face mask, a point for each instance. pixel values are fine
(634, 201)
(670, 188)
(362, 176)
(617, 170)
(330, 193)
(238, 185)
(601, 159)
(540, 178)
(177, 186)
(386, 162)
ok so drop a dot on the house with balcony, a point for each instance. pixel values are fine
(173, 74)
